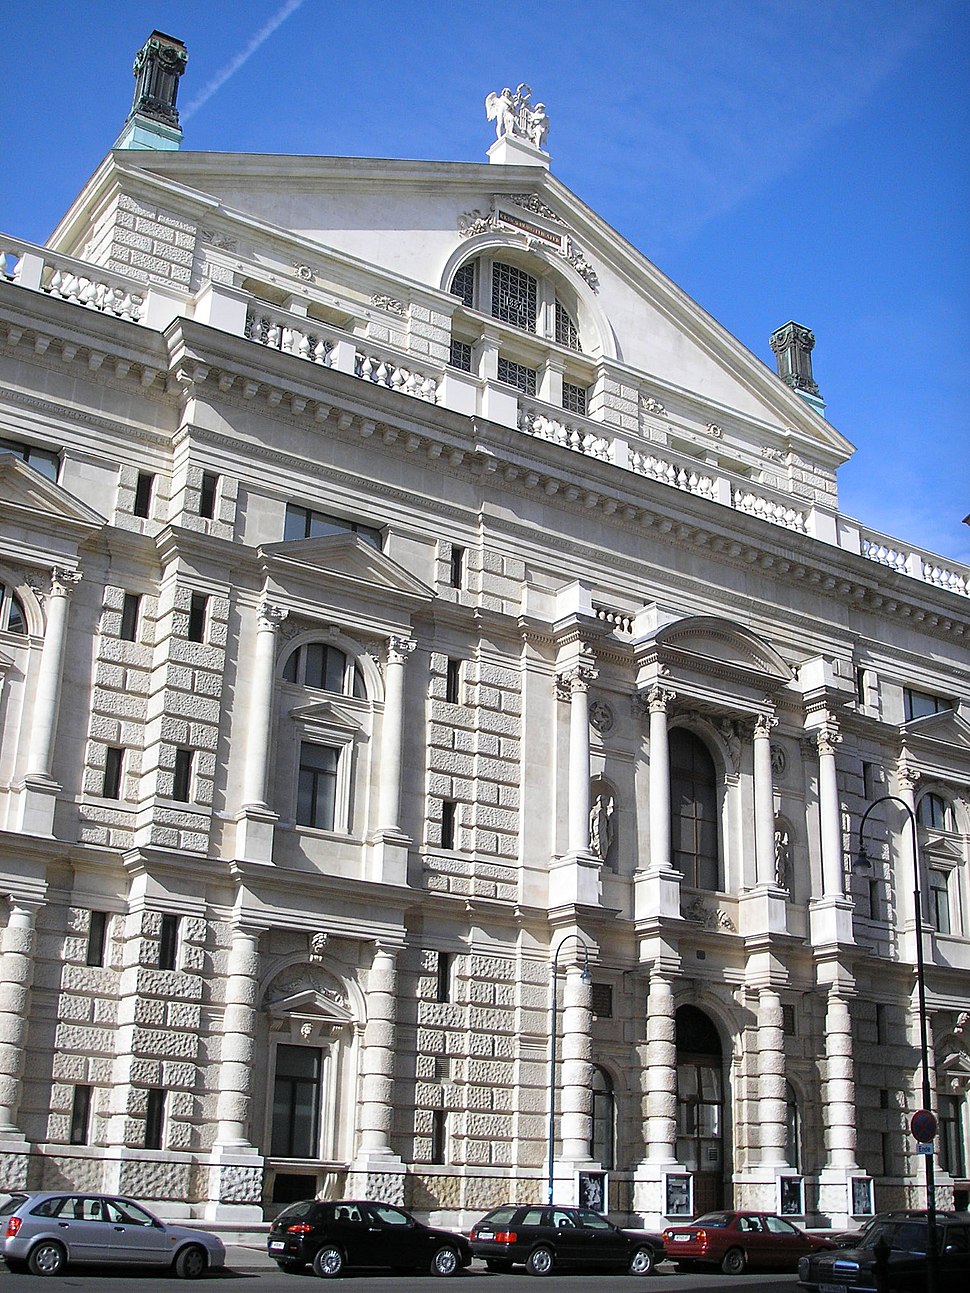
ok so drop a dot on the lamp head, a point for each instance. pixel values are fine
(862, 864)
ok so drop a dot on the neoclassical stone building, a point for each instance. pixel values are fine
(407, 590)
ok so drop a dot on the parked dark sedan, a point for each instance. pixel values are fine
(355, 1233)
(544, 1239)
(736, 1240)
(892, 1257)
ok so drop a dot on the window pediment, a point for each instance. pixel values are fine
(327, 717)
(346, 560)
(40, 505)
(708, 647)
(311, 1006)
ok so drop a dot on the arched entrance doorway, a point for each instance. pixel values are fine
(700, 1106)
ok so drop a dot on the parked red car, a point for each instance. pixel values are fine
(736, 1240)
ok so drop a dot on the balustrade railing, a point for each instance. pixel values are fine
(770, 510)
(571, 436)
(917, 563)
(278, 332)
(72, 280)
(386, 369)
(679, 474)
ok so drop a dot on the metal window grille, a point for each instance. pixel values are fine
(514, 296)
(461, 356)
(517, 375)
(567, 333)
(463, 284)
(574, 398)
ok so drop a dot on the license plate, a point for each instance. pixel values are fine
(683, 1239)
(277, 1244)
(833, 1288)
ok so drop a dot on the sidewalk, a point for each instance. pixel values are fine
(248, 1256)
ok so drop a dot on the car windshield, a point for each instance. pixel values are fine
(592, 1220)
(296, 1211)
(902, 1237)
(500, 1217)
(713, 1220)
(12, 1204)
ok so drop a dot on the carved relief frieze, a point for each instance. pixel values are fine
(698, 913)
(389, 303)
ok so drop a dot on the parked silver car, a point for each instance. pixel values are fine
(44, 1232)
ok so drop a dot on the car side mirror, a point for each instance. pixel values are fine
(158, 1225)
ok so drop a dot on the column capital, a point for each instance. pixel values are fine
(908, 776)
(659, 699)
(764, 724)
(63, 581)
(578, 678)
(827, 737)
(399, 649)
(270, 616)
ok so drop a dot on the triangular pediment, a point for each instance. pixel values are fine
(706, 642)
(948, 727)
(345, 559)
(326, 712)
(34, 499)
(312, 1006)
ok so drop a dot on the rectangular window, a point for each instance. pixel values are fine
(788, 1019)
(114, 760)
(939, 899)
(917, 704)
(461, 356)
(154, 1118)
(44, 461)
(168, 942)
(207, 495)
(602, 1000)
(517, 375)
(130, 611)
(80, 1115)
(182, 776)
(443, 980)
(303, 523)
(317, 791)
(884, 1097)
(869, 781)
(144, 488)
(97, 938)
(456, 571)
(296, 1102)
(449, 814)
(453, 682)
(198, 607)
(953, 1157)
(463, 284)
(574, 398)
(439, 1135)
(875, 900)
(860, 685)
(514, 296)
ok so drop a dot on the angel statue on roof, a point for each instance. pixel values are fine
(514, 115)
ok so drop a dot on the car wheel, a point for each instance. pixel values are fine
(733, 1262)
(540, 1261)
(46, 1258)
(328, 1262)
(642, 1262)
(191, 1263)
(444, 1261)
(497, 1264)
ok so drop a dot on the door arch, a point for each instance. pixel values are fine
(700, 1106)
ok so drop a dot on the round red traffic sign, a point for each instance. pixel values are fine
(923, 1126)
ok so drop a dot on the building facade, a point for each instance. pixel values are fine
(423, 630)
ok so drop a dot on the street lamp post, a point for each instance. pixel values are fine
(552, 1045)
(863, 864)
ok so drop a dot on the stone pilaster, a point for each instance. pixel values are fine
(764, 809)
(16, 975)
(255, 820)
(375, 1165)
(830, 915)
(389, 843)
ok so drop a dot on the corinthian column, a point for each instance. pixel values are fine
(392, 739)
(238, 1040)
(577, 1018)
(377, 1066)
(764, 803)
(659, 701)
(577, 681)
(827, 738)
(260, 724)
(47, 697)
(16, 974)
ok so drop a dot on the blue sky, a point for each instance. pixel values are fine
(779, 159)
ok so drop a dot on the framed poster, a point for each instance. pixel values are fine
(861, 1196)
(677, 1195)
(790, 1202)
(591, 1191)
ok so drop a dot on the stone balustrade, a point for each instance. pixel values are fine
(40, 269)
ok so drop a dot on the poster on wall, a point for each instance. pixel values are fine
(861, 1196)
(790, 1197)
(677, 1200)
(592, 1191)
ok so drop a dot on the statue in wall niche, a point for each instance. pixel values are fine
(601, 825)
(782, 855)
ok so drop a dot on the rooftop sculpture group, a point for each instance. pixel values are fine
(514, 115)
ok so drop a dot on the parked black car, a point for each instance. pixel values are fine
(892, 1258)
(544, 1239)
(356, 1233)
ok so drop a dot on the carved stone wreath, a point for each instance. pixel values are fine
(601, 716)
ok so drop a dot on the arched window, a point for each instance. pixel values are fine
(326, 667)
(603, 1144)
(12, 616)
(700, 1105)
(934, 811)
(693, 810)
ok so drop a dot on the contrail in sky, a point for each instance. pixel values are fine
(219, 80)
